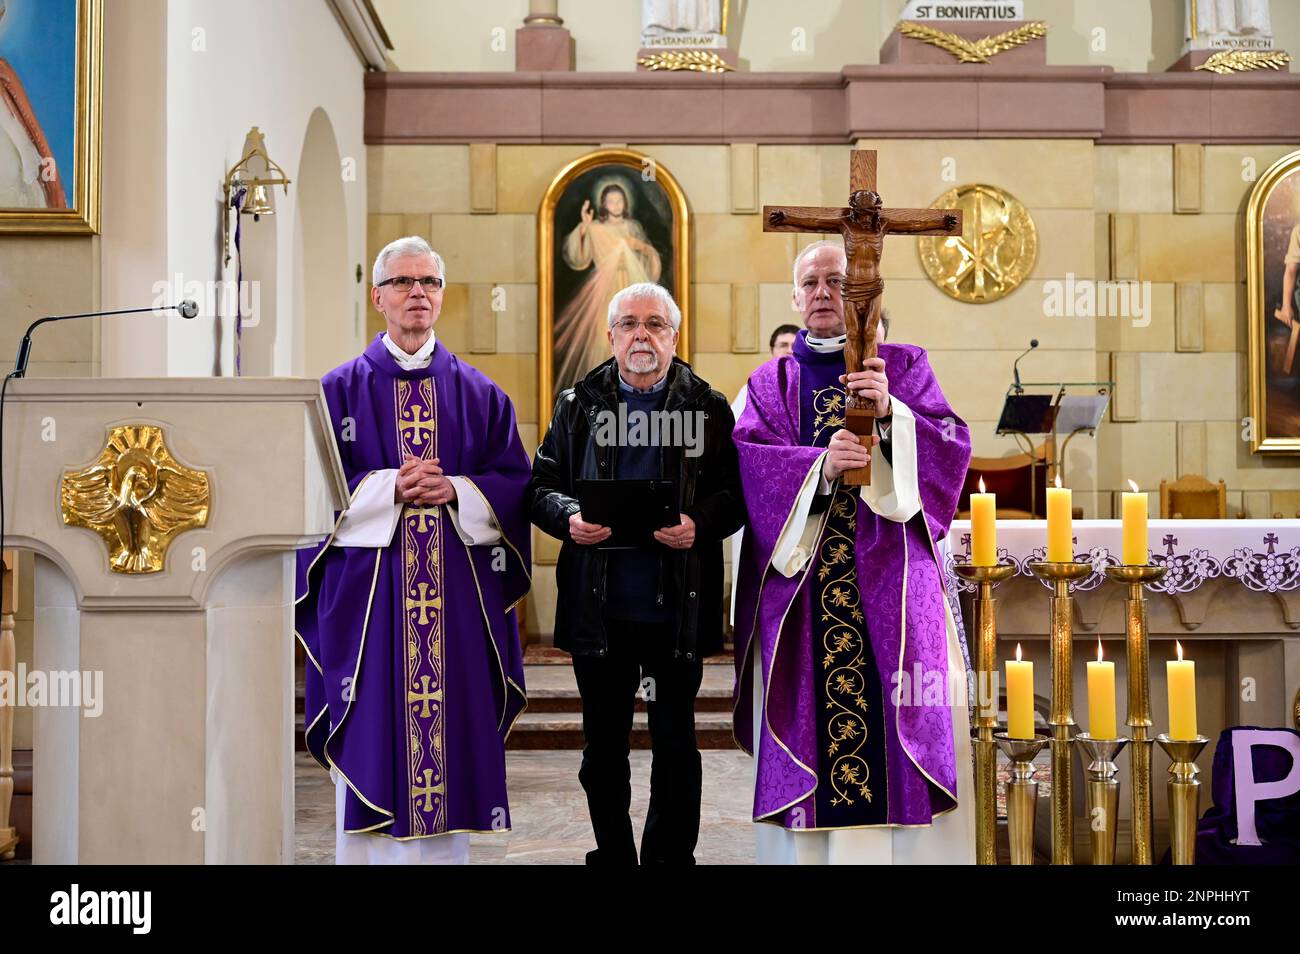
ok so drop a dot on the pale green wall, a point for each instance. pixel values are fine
(457, 35)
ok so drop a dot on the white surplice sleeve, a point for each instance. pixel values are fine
(799, 535)
(471, 515)
(894, 492)
(372, 516)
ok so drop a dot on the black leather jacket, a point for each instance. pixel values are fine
(709, 487)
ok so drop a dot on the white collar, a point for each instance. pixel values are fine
(411, 362)
(824, 345)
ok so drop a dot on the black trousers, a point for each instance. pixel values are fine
(640, 653)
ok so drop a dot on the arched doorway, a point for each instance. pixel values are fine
(256, 296)
(324, 314)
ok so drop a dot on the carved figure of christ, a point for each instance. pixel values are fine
(863, 226)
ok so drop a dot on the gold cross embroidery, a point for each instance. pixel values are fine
(423, 603)
(415, 425)
(426, 791)
(423, 696)
(424, 514)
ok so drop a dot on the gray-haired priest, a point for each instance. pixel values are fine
(851, 684)
(414, 673)
(646, 614)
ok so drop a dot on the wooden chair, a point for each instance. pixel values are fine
(1020, 481)
(1192, 497)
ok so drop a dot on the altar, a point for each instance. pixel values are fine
(1230, 596)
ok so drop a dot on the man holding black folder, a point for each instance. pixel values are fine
(639, 579)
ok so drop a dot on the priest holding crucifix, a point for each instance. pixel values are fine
(863, 227)
(851, 689)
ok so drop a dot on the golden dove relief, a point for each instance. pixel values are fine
(137, 497)
(974, 51)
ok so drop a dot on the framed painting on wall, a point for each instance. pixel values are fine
(609, 219)
(1273, 307)
(50, 73)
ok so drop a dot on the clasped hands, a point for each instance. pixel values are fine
(680, 537)
(422, 482)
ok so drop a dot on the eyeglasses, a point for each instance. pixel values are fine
(404, 283)
(656, 326)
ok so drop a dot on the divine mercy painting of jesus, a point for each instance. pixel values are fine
(610, 219)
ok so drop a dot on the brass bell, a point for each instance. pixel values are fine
(258, 201)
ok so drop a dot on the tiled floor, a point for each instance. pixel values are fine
(549, 810)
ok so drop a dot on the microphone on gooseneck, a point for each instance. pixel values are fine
(1015, 367)
(187, 309)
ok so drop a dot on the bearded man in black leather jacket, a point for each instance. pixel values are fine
(645, 617)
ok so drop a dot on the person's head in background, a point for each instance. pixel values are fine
(882, 330)
(782, 340)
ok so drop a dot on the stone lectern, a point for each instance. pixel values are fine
(164, 514)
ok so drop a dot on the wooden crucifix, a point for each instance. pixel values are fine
(864, 225)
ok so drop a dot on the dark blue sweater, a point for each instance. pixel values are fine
(633, 576)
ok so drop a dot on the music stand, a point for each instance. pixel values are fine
(1053, 408)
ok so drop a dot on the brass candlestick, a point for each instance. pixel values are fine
(1102, 794)
(1139, 698)
(1022, 793)
(1184, 791)
(1061, 575)
(985, 629)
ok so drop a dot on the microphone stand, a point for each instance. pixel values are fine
(1015, 365)
(187, 309)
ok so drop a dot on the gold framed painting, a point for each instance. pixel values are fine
(51, 61)
(1273, 307)
(608, 219)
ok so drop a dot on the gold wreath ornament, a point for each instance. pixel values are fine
(974, 51)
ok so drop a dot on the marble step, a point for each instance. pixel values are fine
(554, 689)
(712, 700)
(563, 730)
(553, 697)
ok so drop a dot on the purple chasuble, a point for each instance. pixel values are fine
(901, 592)
(415, 674)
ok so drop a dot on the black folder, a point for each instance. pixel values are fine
(632, 509)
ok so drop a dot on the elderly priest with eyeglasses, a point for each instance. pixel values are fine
(414, 672)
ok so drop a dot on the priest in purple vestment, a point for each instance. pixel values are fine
(406, 613)
(851, 686)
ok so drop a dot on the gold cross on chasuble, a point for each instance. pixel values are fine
(423, 602)
(415, 425)
(422, 515)
(426, 791)
(422, 696)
